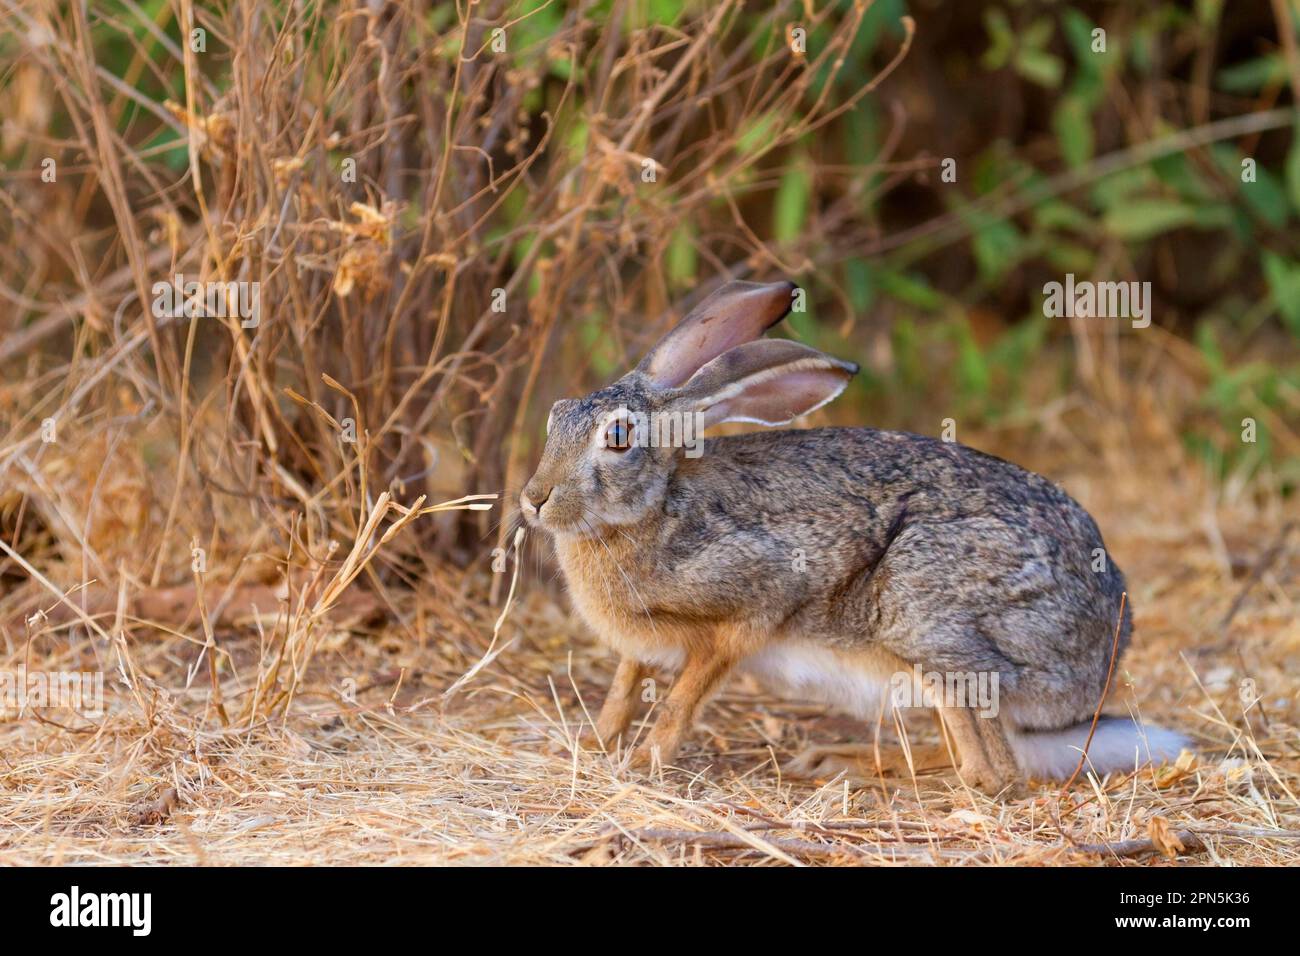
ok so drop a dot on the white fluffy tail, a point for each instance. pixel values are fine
(1118, 744)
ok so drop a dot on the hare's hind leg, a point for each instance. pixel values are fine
(620, 703)
(986, 759)
(998, 750)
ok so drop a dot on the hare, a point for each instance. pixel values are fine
(827, 561)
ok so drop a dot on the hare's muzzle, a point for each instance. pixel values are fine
(534, 496)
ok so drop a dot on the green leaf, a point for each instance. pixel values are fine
(665, 12)
(1119, 188)
(176, 156)
(905, 342)
(1078, 33)
(1184, 177)
(1001, 39)
(681, 258)
(997, 248)
(862, 133)
(1214, 216)
(882, 17)
(791, 204)
(1253, 75)
(1039, 66)
(561, 68)
(1058, 215)
(1088, 86)
(593, 334)
(1265, 196)
(973, 374)
(1208, 12)
(1293, 172)
(1015, 348)
(1073, 127)
(1142, 43)
(1037, 35)
(860, 284)
(1070, 257)
(1284, 285)
(913, 291)
(757, 134)
(1144, 218)
(575, 138)
(1209, 346)
(997, 165)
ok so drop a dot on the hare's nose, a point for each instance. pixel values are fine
(533, 498)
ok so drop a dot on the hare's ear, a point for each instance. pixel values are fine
(770, 382)
(738, 312)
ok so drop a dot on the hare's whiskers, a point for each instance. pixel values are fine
(507, 499)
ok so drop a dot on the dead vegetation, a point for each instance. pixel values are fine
(375, 763)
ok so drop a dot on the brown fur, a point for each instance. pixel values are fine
(828, 558)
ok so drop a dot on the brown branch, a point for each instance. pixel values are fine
(1105, 691)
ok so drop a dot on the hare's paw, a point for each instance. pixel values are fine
(663, 742)
(990, 779)
(825, 763)
(608, 734)
(647, 757)
(861, 763)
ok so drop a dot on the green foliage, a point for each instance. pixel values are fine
(1237, 198)
(790, 208)
(1025, 50)
(1293, 173)
(681, 260)
(1284, 286)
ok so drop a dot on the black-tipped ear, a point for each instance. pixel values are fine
(738, 312)
(771, 382)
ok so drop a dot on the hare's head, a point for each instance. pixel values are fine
(609, 456)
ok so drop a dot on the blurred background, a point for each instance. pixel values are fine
(457, 214)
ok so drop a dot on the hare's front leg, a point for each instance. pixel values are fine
(620, 703)
(700, 676)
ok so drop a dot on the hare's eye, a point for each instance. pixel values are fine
(618, 435)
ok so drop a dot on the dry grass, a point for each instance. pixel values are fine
(497, 774)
